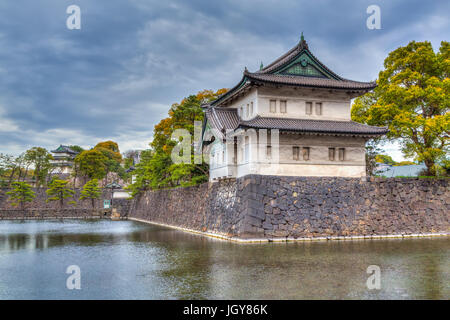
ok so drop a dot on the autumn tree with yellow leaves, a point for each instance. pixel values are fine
(156, 169)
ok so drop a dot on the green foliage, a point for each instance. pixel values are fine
(91, 191)
(40, 159)
(21, 193)
(143, 173)
(413, 99)
(156, 169)
(76, 148)
(110, 149)
(59, 191)
(13, 168)
(384, 158)
(91, 163)
(404, 163)
(372, 153)
(96, 163)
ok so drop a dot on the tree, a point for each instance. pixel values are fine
(181, 116)
(76, 148)
(110, 149)
(21, 193)
(12, 167)
(413, 98)
(91, 163)
(91, 191)
(143, 173)
(40, 159)
(59, 191)
(404, 163)
(372, 153)
(156, 169)
(384, 158)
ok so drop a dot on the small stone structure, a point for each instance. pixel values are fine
(274, 207)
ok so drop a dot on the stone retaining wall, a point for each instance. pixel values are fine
(31, 214)
(273, 207)
(40, 209)
(39, 201)
(206, 208)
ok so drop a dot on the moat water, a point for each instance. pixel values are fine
(132, 260)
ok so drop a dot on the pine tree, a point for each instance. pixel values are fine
(21, 193)
(58, 191)
(91, 191)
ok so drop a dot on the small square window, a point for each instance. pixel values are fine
(331, 153)
(319, 108)
(308, 109)
(341, 154)
(295, 153)
(306, 153)
(283, 104)
(273, 106)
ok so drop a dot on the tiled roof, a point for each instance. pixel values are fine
(227, 119)
(313, 126)
(291, 55)
(64, 149)
(297, 67)
(311, 81)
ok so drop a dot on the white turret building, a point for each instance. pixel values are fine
(290, 118)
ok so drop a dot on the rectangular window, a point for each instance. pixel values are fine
(248, 110)
(308, 109)
(273, 106)
(305, 153)
(341, 154)
(295, 153)
(331, 153)
(319, 108)
(269, 151)
(283, 104)
(251, 109)
(223, 156)
(242, 112)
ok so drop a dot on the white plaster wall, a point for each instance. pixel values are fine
(121, 195)
(250, 97)
(314, 170)
(335, 106)
(318, 164)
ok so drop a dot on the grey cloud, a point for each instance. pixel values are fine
(117, 76)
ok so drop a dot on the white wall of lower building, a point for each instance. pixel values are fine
(251, 157)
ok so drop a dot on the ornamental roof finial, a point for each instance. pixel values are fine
(302, 44)
(261, 66)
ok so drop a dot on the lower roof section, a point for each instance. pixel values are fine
(224, 119)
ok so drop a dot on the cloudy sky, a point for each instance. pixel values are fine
(117, 76)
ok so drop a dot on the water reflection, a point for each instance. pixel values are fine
(130, 260)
